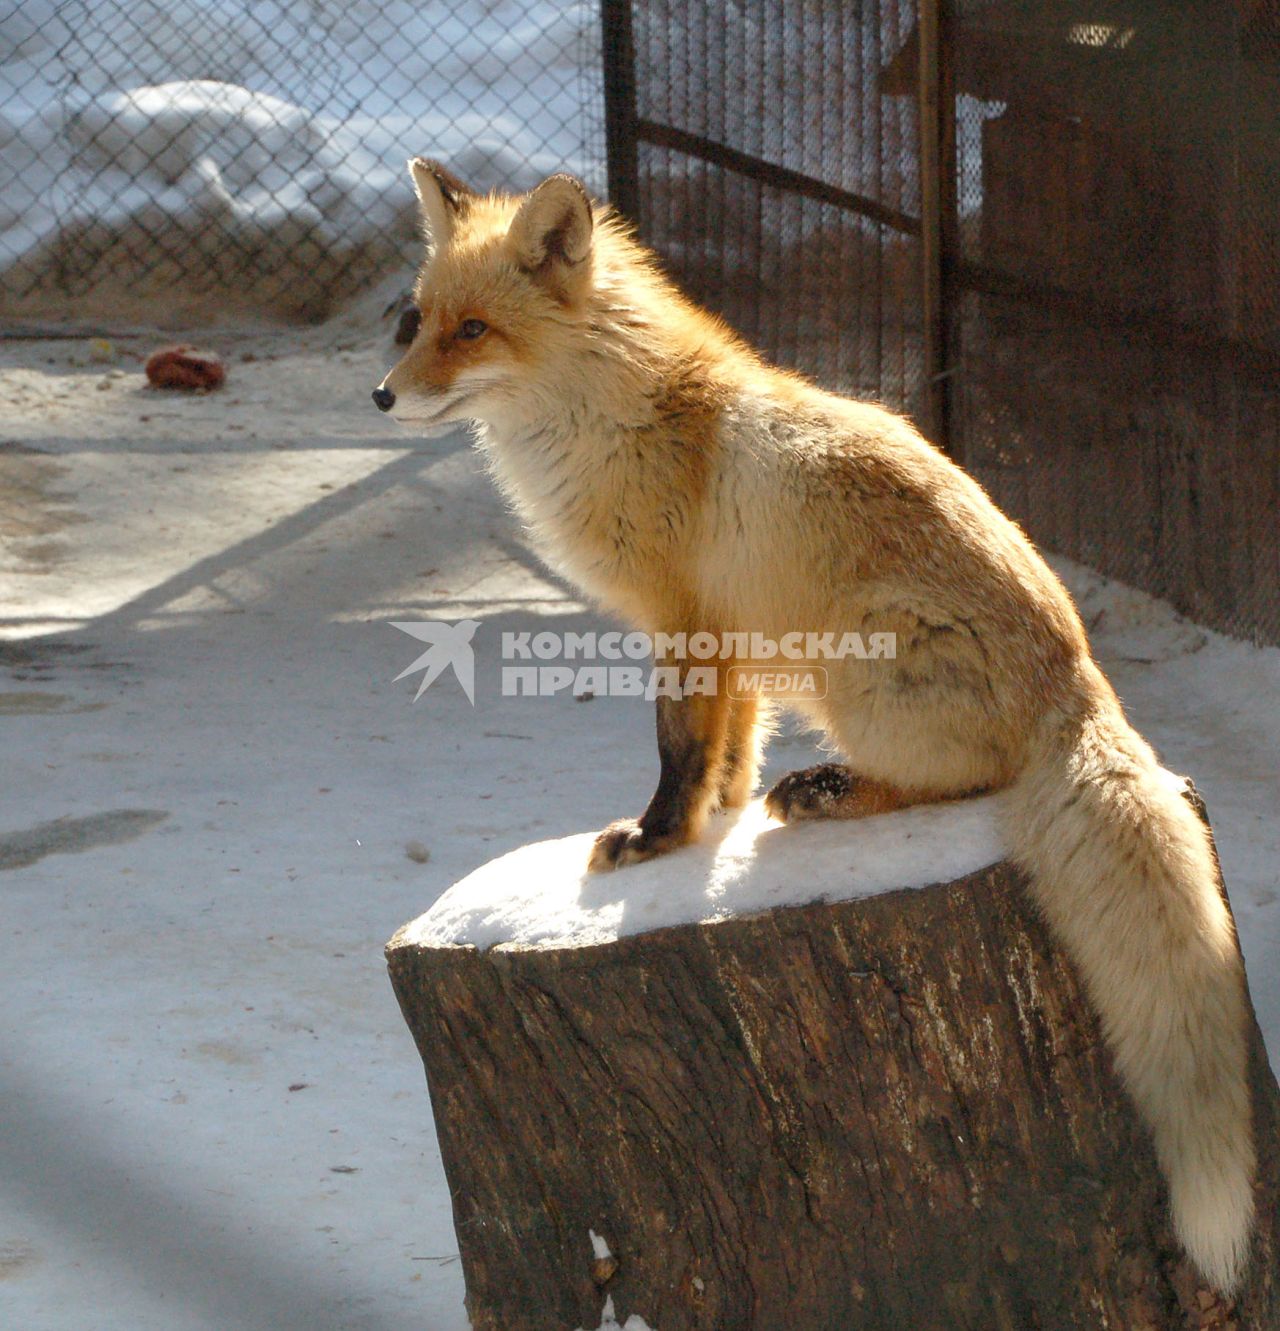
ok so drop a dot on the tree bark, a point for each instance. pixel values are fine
(885, 1113)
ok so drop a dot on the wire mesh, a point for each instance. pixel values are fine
(255, 150)
(778, 179)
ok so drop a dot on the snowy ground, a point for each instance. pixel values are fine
(213, 1115)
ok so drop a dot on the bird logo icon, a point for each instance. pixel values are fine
(450, 646)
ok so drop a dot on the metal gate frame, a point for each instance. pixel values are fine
(625, 130)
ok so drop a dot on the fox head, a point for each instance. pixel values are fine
(501, 291)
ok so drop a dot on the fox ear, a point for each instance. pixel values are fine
(441, 196)
(551, 232)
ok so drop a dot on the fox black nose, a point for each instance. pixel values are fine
(384, 399)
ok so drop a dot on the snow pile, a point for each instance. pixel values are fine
(542, 896)
(201, 187)
(221, 148)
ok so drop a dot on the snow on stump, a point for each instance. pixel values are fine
(691, 1088)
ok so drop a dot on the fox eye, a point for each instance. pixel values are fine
(472, 328)
(407, 328)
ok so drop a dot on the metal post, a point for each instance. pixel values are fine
(937, 195)
(620, 107)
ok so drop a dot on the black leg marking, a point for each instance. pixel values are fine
(686, 742)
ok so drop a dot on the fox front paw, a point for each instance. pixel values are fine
(627, 842)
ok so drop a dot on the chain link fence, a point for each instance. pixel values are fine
(215, 154)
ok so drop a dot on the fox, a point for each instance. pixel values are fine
(687, 486)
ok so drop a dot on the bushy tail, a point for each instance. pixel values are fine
(1123, 870)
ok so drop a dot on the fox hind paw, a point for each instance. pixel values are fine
(831, 790)
(824, 791)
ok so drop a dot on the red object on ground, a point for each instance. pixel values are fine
(185, 367)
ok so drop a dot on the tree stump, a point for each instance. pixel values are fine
(888, 1110)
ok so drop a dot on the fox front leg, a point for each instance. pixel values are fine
(692, 735)
(745, 729)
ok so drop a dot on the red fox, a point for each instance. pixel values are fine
(689, 487)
